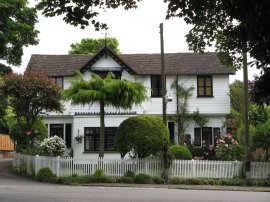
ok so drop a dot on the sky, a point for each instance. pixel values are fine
(137, 31)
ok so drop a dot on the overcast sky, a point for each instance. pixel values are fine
(137, 31)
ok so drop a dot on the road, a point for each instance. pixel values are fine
(19, 189)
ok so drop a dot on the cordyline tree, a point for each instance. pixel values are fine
(31, 94)
(107, 92)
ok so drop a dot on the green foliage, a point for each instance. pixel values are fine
(261, 138)
(45, 175)
(142, 135)
(236, 95)
(82, 13)
(99, 173)
(27, 142)
(17, 30)
(92, 46)
(143, 179)
(258, 114)
(260, 88)
(130, 173)
(180, 152)
(182, 116)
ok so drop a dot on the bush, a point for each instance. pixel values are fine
(45, 175)
(99, 173)
(158, 180)
(180, 152)
(144, 135)
(53, 146)
(228, 149)
(130, 173)
(143, 179)
(127, 180)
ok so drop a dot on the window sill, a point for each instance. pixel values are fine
(205, 96)
(96, 152)
(156, 96)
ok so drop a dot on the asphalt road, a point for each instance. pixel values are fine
(19, 189)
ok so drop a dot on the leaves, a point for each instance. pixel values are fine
(32, 93)
(81, 12)
(17, 29)
(92, 46)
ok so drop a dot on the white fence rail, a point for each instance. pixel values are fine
(63, 167)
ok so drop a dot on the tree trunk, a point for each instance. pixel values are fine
(102, 129)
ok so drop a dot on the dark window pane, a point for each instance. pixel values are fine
(207, 135)
(68, 135)
(57, 129)
(197, 136)
(156, 86)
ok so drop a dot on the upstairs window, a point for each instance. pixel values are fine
(156, 86)
(204, 86)
(58, 81)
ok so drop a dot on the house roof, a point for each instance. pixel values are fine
(142, 64)
(6, 144)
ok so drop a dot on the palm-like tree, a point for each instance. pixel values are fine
(108, 91)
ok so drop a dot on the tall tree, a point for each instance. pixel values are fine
(108, 91)
(30, 94)
(17, 29)
(92, 46)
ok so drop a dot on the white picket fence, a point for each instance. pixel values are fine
(63, 167)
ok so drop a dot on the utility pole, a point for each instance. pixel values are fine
(246, 119)
(163, 77)
(164, 103)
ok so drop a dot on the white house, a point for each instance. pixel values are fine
(202, 71)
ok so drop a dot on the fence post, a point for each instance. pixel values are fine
(36, 164)
(58, 167)
(193, 168)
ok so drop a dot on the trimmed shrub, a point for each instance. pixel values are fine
(180, 152)
(45, 175)
(144, 135)
(143, 179)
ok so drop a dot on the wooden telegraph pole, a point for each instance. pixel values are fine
(164, 104)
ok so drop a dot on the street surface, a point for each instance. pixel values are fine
(19, 189)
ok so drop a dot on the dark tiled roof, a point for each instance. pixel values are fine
(58, 65)
(142, 64)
